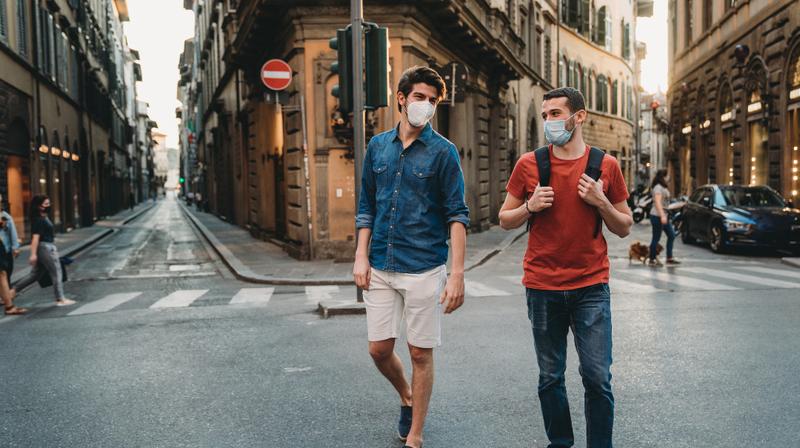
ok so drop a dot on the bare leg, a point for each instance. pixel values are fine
(389, 364)
(422, 385)
(5, 292)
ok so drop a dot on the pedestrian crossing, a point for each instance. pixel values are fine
(632, 279)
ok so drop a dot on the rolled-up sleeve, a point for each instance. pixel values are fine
(452, 181)
(366, 201)
(14, 236)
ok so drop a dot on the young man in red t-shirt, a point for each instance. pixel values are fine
(566, 265)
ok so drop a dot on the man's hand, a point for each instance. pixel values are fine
(541, 199)
(591, 191)
(453, 295)
(33, 260)
(361, 272)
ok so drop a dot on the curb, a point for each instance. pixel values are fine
(244, 273)
(791, 261)
(330, 308)
(488, 254)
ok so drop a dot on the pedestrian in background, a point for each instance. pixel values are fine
(412, 199)
(660, 219)
(10, 239)
(6, 266)
(566, 264)
(44, 254)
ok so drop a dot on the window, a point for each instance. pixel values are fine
(589, 91)
(525, 30)
(614, 93)
(22, 28)
(708, 9)
(729, 4)
(602, 93)
(689, 21)
(673, 17)
(609, 40)
(600, 26)
(548, 59)
(626, 39)
(3, 22)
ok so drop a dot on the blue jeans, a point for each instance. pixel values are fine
(587, 311)
(657, 228)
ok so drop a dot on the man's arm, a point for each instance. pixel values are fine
(361, 268)
(616, 216)
(364, 221)
(515, 212)
(453, 295)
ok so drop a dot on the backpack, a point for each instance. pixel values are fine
(592, 170)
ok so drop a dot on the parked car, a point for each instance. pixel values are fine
(727, 216)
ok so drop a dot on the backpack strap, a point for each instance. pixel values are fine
(543, 165)
(593, 170)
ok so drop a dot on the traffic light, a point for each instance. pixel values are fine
(376, 43)
(181, 179)
(343, 44)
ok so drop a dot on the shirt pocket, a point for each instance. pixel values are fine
(423, 181)
(379, 171)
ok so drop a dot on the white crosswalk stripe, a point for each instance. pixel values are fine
(794, 275)
(315, 294)
(256, 296)
(474, 288)
(619, 285)
(761, 281)
(680, 280)
(178, 299)
(105, 304)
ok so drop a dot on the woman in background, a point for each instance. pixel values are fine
(659, 218)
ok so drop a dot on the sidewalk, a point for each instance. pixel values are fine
(258, 261)
(78, 239)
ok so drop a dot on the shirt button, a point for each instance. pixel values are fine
(395, 191)
(390, 244)
(398, 173)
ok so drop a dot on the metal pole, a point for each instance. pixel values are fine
(357, 20)
(307, 179)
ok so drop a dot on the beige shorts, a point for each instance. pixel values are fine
(393, 296)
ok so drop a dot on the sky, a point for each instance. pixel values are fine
(653, 32)
(157, 29)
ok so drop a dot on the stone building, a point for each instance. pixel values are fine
(261, 165)
(735, 93)
(65, 108)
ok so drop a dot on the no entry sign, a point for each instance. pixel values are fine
(276, 74)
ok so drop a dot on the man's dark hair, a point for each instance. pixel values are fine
(419, 74)
(574, 97)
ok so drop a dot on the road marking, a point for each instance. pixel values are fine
(259, 296)
(761, 281)
(681, 281)
(626, 286)
(178, 299)
(7, 319)
(315, 294)
(184, 267)
(107, 303)
(478, 289)
(794, 275)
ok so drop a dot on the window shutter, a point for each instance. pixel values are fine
(22, 28)
(3, 21)
(608, 35)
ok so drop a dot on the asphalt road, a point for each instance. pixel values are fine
(157, 355)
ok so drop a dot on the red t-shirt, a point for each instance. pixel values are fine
(563, 253)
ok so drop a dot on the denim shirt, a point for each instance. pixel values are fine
(8, 235)
(409, 198)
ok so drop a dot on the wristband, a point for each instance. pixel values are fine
(530, 212)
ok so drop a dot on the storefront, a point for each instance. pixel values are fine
(725, 149)
(15, 153)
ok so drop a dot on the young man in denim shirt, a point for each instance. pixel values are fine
(412, 201)
(566, 265)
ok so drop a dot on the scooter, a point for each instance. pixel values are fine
(642, 205)
(675, 210)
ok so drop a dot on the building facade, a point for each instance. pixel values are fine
(282, 164)
(66, 81)
(735, 93)
(653, 135)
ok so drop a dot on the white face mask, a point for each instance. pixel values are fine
(419, 113)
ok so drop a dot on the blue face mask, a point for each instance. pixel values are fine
(555, 131)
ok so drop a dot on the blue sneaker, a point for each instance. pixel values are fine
(404, 425)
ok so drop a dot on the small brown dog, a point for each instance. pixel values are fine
(641, 252)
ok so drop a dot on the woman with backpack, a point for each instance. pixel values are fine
(659, 218)
(44, 254)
